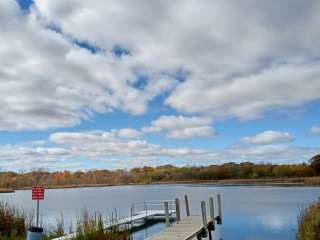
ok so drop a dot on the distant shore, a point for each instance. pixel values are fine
(286, 182)
(6, 190)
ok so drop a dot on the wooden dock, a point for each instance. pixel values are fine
(135, 218)
(191, 227)
(188, 228)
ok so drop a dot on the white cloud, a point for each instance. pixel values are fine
(79, 137)
(129, 133)
(83, 150)
(233, 65)
(240, 57)
(249, 96)
(270, 153)
(47, 81)
(182, 127)
(99, 143)
(231, 69)
(268, 137)
(315, 130)
(94, 136)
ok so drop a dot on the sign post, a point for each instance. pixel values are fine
(38, 194)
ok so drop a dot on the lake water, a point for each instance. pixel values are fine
(249, 212)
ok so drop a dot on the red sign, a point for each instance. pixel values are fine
(37, 193)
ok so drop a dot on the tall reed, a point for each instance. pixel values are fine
(12, 222)
(309, 222)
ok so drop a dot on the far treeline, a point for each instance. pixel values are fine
(167, 173)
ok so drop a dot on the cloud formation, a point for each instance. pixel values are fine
(56, 82)
(109, 150)
(315, 130)
(269, 137)
(180, 127)
(63, 62)
(197, 53)
(233, 70)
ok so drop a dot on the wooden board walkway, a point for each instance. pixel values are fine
(187, 229)
(192, 226)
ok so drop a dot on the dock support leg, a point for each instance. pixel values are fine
(177, 202)
(210, 235)
(146, 208)
(204, 218)
(219, 219)
(186, 200)
(131, 217)
(166, 210)
(212, 213)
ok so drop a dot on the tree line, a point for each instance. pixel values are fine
(166, 173)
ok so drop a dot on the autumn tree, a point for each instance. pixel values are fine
(315, 163)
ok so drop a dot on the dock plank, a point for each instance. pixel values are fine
(187, 229)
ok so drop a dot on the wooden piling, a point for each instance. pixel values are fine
(131, 215)
(166, 210)
(212, 213)
(146, 206)
(219, 219)
(204, 218)
(186, 200)
(178, 217)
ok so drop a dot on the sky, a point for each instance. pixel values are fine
(122, 84)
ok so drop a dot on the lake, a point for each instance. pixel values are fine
(249, 212)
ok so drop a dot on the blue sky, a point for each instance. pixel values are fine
(25, 4)
(88, 86)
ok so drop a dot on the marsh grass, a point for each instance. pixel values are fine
(13, 222)
(309, 222)
(93, 227)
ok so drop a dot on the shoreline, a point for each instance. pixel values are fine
(7, 190)
(272, 182)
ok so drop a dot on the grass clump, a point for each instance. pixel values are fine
(94, 228)
(309, 223)
(12, 223)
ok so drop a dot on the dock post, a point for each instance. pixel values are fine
(219, 219)
(166, 210)
(116, 218)
(131, 213)
(212, 213)
(146, 204)
(204, 218)
(186, 200)
(177, 210)
(111, 220)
